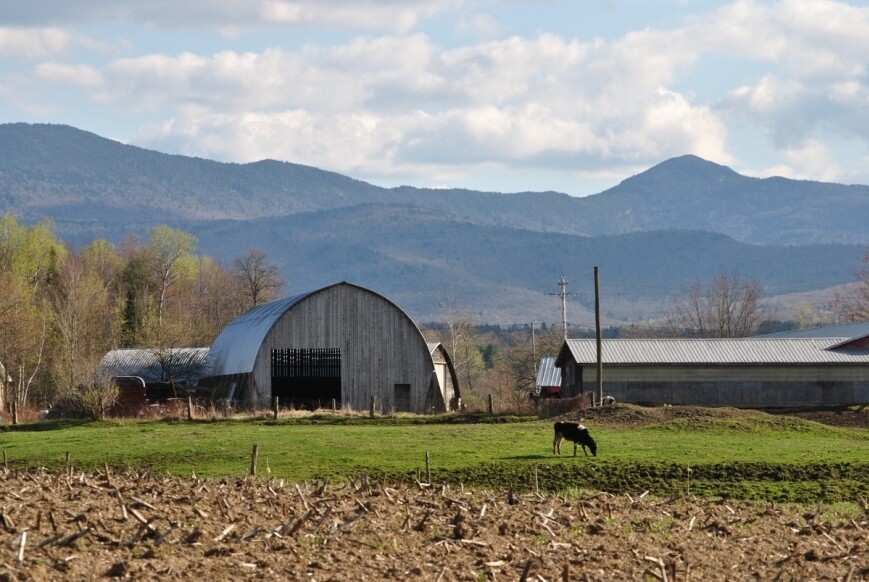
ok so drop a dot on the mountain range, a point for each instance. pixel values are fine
(497, 255)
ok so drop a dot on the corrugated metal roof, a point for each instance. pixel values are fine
(849, 330)
(235, 349)
(187, 365)
(717, 351)
(548, 374)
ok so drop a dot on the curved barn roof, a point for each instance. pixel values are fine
(235, 349)
(186, 365)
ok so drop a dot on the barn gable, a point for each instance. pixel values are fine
(446, 393)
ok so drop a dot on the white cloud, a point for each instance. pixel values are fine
(766, 97)
(392, 15)
(812, 160)
(403, 102)
(34, 43)
(814, 57)
(82, 76)
(479, 25)
(544, 102)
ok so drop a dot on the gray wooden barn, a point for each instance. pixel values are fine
(343, 343)
(761, 372)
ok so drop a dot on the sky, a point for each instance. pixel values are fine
(494, 95)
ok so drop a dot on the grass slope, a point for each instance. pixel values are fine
(754, 458)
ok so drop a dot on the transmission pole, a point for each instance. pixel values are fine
(563, 294)
(598, 337)
(533, 349)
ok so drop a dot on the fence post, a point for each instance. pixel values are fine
(253, 458)
(371, 410)
(14, 412)
(275, 407)
(189, 408)
(491, 405)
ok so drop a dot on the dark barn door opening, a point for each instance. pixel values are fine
(307, 378)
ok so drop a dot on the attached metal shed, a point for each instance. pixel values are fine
(179, 365)
(747, 373)
(149, 377)
(548, 382)
(343, 343)
(851, 330)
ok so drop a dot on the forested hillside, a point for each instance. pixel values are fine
(682, 221)
(79, 180)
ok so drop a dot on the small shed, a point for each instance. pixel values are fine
(548, 382)
(343, 344)
(153, 376)
(747, 373)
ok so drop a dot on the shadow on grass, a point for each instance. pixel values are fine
(46, 425)
(526, 458)
(389, 420)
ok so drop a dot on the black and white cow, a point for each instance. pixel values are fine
(575, 432)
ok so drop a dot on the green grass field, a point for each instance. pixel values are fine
(776, 459)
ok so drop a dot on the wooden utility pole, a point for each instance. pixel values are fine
(598, 334)
(533, 349)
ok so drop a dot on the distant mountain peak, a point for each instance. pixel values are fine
(686, 168)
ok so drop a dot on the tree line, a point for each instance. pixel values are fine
(63, 308)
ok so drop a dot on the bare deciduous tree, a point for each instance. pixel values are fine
(731, 308)
(260, 278)
(82, 323)
(851, 303)
(458, 335)
(213, 297)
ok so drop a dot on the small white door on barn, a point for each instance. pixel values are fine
(441, 373)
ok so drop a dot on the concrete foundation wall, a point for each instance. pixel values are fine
(728, 373)
(758, 394)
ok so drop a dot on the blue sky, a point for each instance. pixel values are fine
(507, 96)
